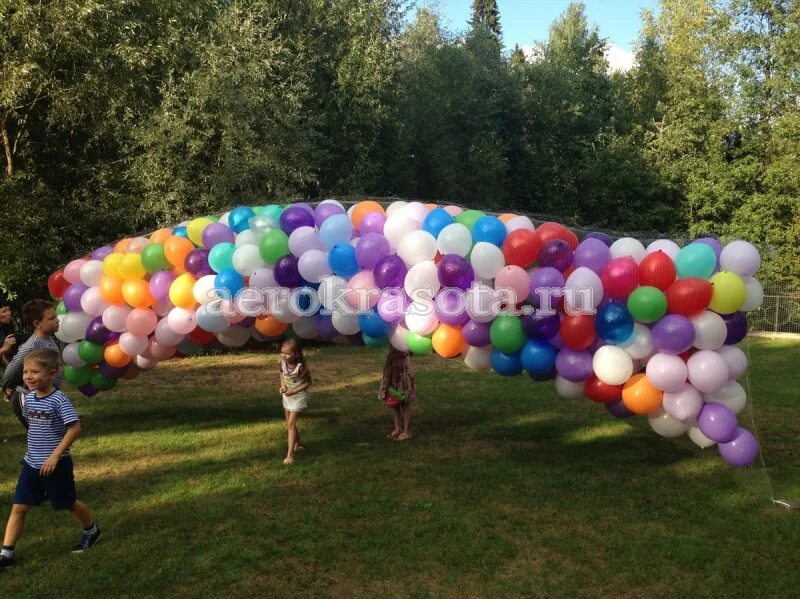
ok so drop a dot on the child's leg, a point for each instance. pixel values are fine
(398, 422)
(292, 433)
(16, 521)
(82, 514)
(408, 412)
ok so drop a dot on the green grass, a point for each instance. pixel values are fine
(508, 491)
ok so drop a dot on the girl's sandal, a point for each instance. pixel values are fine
(393, 435)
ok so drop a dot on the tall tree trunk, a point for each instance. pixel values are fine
(9, 152)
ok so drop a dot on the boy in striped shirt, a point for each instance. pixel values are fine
(47, 465)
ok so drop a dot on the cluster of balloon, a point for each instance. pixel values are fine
(658, 338)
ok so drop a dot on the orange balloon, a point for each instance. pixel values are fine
(506, 217)
(111, 289)
(431, 207)
(122, 245)
(161, 235)
(364, 208)
(640, 396)
(448, 341)
(269, 326)
(137, 293)
(176, 249)
(114, 356)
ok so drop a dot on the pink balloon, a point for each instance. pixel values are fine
(132, 345)
(72, 271)
(115, 317)
(146, 363)
(162, 352)
(363, 285)
(141, 322)
(516, 279)
(683, 404)
(166, 335)
(92, 302)
(454, 210)
(136, 245)
(181, 321)
(163, 307)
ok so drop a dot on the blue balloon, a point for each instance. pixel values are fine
(342, 259)
(538, 357)
(614, 323)
(213, 322)
(181, 231)
(490, 229)
(506, 364)
(230, 280)
(239, 218)
(373, 325)
(336, 229)
(437, 219)
(304, 298)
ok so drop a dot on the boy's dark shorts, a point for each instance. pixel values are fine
(59, 486)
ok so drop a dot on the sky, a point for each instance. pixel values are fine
(527, 21)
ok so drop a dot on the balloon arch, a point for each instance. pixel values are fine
(643, 330)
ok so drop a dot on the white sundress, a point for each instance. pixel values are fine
(291, 379)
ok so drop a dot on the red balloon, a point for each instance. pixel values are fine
(578, 332)
(689, 297)
(57, 284)
(597, 390)
(657, 270)
(200, 336)
(549, 231)
(571, 239)
(620, 277)
(521, 248)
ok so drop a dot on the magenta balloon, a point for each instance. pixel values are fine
(370, 249)
(215, 233)
(372, 222)
(323, 211)
(390, 271)
(477, 333)
(593, 254)
(196, 263)
(160, 284)
(673, 334)
(455, 271)
(742, 450)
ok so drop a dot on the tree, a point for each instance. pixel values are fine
(486, 14)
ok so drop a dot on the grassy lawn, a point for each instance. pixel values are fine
(508, 490)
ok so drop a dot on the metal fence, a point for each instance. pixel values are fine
(780, 311)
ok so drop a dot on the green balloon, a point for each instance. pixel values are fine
(89, 352)
(468, 218)
(419, 344)
(506, 333)
(102, 383)
(696, 260)
(213, 219)
(61, 309)
(78, 375)
(374, 342)
(647, 304)
(273, 246)
(153, 258)
(221, 256)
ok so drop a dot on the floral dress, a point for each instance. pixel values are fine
(397, 373)
(294, 377)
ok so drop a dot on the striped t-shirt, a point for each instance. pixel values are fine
(48, 418)
(13, 374)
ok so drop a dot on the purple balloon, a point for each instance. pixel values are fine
(540, 326)
(390, 271)
(447, 309)
(545, 277)
(216, 233)
(370, 249)
(717, 422)
(326, 210)
(72, 296)
(544, 376)
(455, 271)
(286, 273)
(101, 253)
(296, 216)
(372, 222)
(593, 254)
(673, 334)
(477, 333)
(88, 389)
(196, 263)
(96, 332)
(618, 409)
(393, 304)
(325, 328)
(247, 322)
(742, 450)
(575, 366)
(737, 327)
(556, 253)
(557, 342)
(160, 284)
(599, 236)
(111, 372)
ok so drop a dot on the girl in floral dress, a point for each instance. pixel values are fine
(397, 392)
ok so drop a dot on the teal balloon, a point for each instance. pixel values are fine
(221, 257)
(696, 260)
(273, 211)
(374, 342)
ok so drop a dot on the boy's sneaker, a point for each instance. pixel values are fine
(6, 562)
(87, 540)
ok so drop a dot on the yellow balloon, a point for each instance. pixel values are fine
(195, 229)
(111, 264)
(180, 292)
(729, 292)
(131, 267)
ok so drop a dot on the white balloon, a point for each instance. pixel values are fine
(669, 247)
(696, 435)
(628, 246)
(581, 279)
(667, 372)
(732, 395)
(640, 344)
(422, 280)
(246, 259)
(416, 211)
(133, 345)
(146, 363)
(203, 289)
(665, 425)
(234, 336)
(753, 294)
(478, 302)
(248, 237)
(487, 259)
(313, 265)
(224, 218)
(455, 238)
(305, 327)
(740, 257)
(397, 226)
(70, 355)
(331, 288)
(346, 324)
(567, 389)
(72, 326)
(612, 365)
(421, 317)
(91, 272)
(282, 310)
(398, 336)
(395, 207)
(683, 404)
(92, 302)
(710, 330)
(736, 360)
(520, 222)
(416, 247)
(478, 358)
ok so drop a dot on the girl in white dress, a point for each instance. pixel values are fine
(295, 379)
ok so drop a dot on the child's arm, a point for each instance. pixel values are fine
(302, 386)
(281, 386)
(73, 432)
